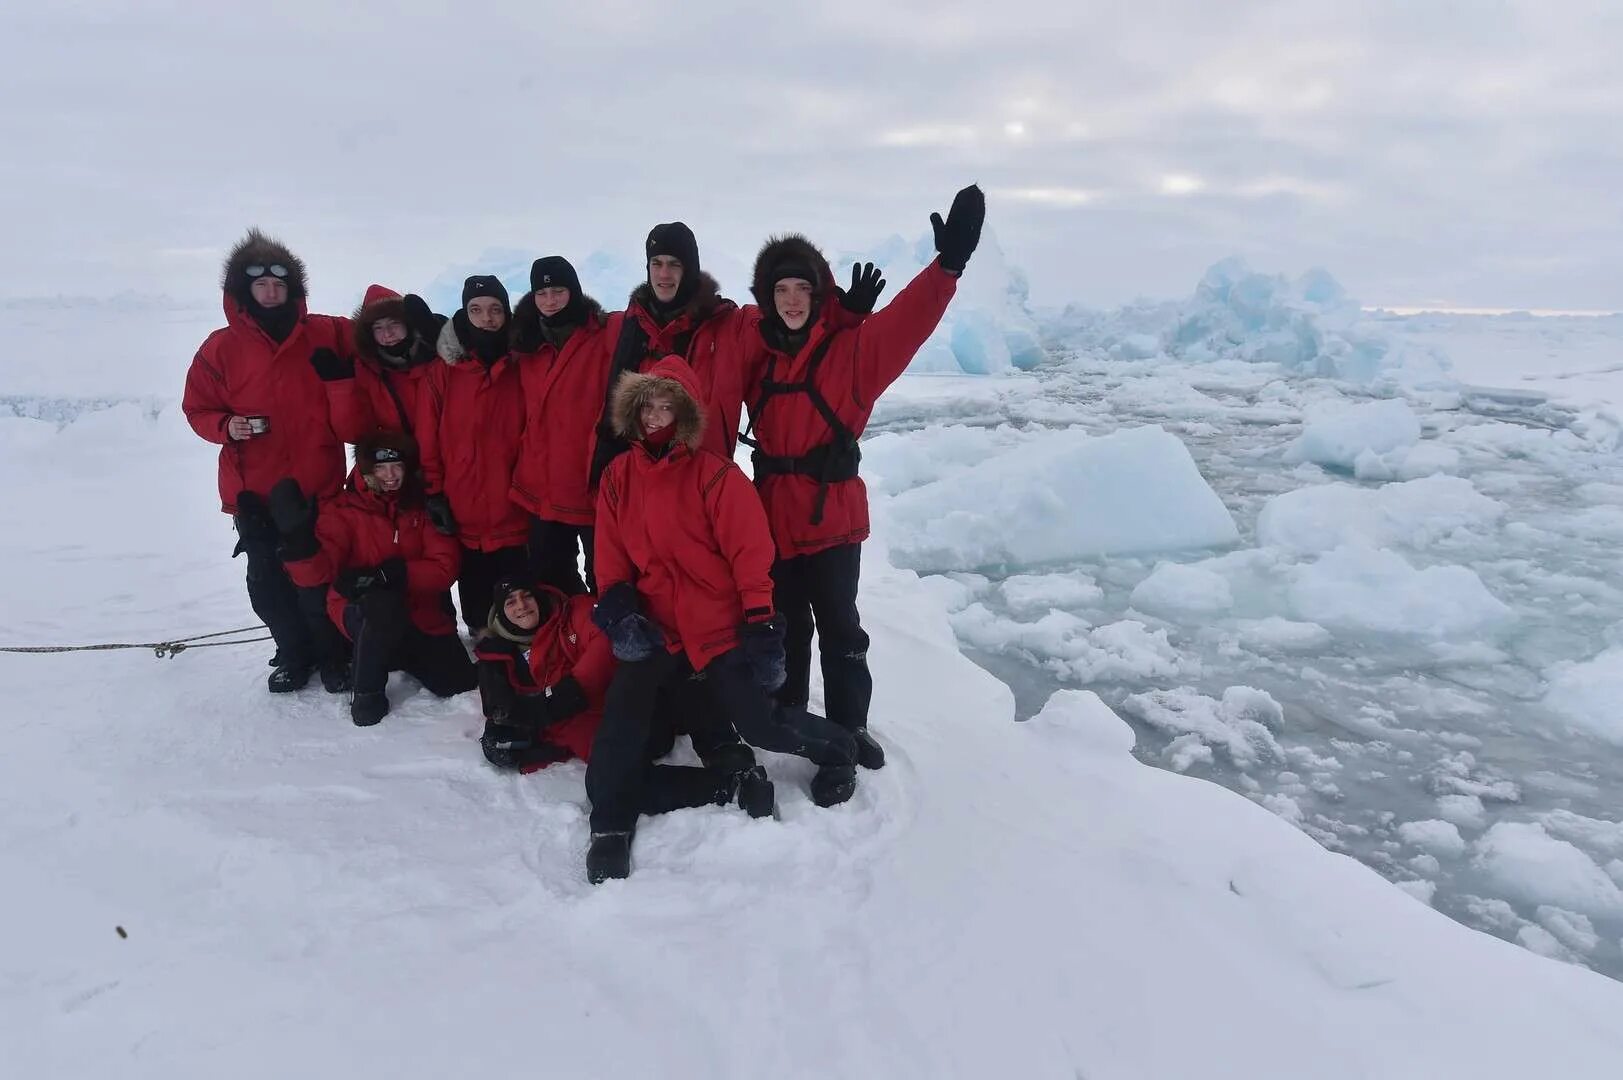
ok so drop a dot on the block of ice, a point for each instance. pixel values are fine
(1337, 434)
(1587, 692)
(1528, 864)
(1415, 513)
(1175, 588)
(1064, 495)
(1362, 588)
(1439, 838)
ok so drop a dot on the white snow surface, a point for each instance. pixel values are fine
(1003, 899)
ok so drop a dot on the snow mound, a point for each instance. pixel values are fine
(1060, 495)
(1526, 863)
(1029, 593)
(1440, 838)
(1354, 587)
(1309, 326)
(1338, 434)
(1416, 513)
(1241, 725)
(1587, 693)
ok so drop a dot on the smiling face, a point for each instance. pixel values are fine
(521, 609)
(388, 332)
(486, 313)
(656, 414)
(665, 277)
(388, 476)
(551, 300)
(793, 299)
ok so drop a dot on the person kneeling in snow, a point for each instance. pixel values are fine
(684, 559)
(810, 397)
(388, 569)
(543, 671)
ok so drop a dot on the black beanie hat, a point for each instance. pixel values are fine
(794, 268)
(486, 285)
(554, 272)
(675, 239)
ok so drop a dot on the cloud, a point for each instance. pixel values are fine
(1415, 152)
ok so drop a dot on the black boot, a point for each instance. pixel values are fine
(335, 676)
(367, 709)
(753, 791)
(608, 857)
(289, 677)
(833, 784)
(870, 755)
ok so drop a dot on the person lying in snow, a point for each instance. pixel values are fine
(543, 671)
(684, 559)
(810, 392)
(387, 569)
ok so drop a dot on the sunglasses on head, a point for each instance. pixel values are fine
(257, 270)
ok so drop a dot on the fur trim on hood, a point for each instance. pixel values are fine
(704, 302)
(670, 377)
(257, 249)
(791, 247)
(382, 303)
(528, 333)
(366, 452)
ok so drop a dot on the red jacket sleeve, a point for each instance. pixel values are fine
(742, 531)
(204, 400)
(888, 339)
(594, 668)
(436, 570)
(332, 551)
(430, 401)
(349, 409)
(611, 563)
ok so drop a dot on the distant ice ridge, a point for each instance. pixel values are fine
(1304, 326)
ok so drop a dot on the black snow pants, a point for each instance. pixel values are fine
(385, 640)
(295, 616)
(553, 553)
(819, 592)
(476, 581)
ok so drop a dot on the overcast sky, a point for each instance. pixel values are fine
(1463, 153)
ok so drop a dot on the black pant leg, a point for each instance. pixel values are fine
(696, 713)
(677, 787)
(790, 597)
(326, 643)
(481, 570)
(762, 723)
(275, 600)
(439, 661)
(377, 624)
(617, 772)
(552, 555)
(842, 644)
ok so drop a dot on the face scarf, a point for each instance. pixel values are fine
(278, 321)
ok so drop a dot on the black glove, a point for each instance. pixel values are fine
(439, 514)
(357, 581)
(866, 285)
(957, 237)
(618, 614)
(331, 367)
(564, 699)
(763, 650)
(295, 519)
(253, 521)
(421, 321)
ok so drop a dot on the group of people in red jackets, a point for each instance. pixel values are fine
(570, 472)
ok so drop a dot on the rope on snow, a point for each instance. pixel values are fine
(161, 649)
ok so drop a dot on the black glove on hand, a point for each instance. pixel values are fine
(421, 321)
(763, 650)
(357, 581)
(564, 699)
(866, 285)
(253, 521)
(957, 237)
(391, 574)
(295, 519)
(439, 514)
(619, 615)
(331, 367)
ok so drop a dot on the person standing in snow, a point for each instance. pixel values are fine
(684, 559)
(377, 388)
(544, 668)
(678, 310)
(810, 398)
(560, 340)
(386, 569)
(251, 390)
(470, 421)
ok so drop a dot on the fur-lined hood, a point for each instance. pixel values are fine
(257, 249)
(791, 247)
(705, 301)
(382, 302)
(528, 333)
(670, 377)
(366, 452)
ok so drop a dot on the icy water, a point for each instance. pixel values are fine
(1374, 731)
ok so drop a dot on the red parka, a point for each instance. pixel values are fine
(858, 363)
(563, 392)
(685, 528)
(361, 528)
(242, 371)
(566, 644)
(380, 397)
(470, 422)
(713, 334)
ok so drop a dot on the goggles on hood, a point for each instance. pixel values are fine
(260, 270)
(385, 454)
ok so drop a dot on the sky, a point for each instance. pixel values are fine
(1425, 152)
